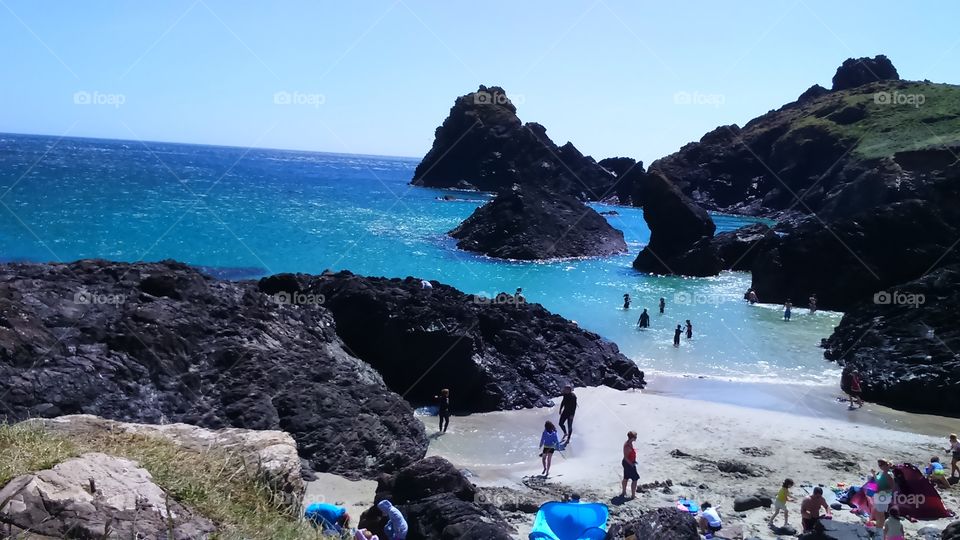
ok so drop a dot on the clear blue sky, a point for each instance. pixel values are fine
(603, 74)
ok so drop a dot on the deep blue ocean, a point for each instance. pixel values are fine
(245, 213)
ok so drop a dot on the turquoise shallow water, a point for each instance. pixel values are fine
(245, 213)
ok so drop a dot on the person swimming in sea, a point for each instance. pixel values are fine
(626, 301)
(644, 320)
(663, 304)
(689, 330)
(676, 336)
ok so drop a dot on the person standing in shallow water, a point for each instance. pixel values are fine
(689, 330)
(786, 310)
(663, 304)
(676, 336)
(568, 408)
(813, 303)
(444, 411)
(626, 301)
(644, 320)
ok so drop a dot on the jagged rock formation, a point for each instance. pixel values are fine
(903, 343)
(483, 145)
(96, 496)
(657, 524)
(860, 71)
(161, 342)
(491, 353)
(675, 222)
(438, 503)
(628, 172)
(529, 223)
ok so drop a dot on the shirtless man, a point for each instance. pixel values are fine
(810, 509)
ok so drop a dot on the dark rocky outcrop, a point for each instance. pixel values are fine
(952, 531)
(860, 71)
(160, 342)
(749, 502)
(732, 250)
(846, 261)
(658, 524)
(483, 144)
(904, 342)
(628, 172)
(675, 222)
(491, 353)
(439, 503)
(830, 529)
(529, 223)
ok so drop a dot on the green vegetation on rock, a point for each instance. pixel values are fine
(216, 484)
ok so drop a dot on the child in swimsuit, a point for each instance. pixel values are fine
(780, 503)
(955, 455)
(893, 528)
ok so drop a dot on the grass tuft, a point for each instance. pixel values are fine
(214, 483)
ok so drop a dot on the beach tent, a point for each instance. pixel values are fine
(915, 496)
(570, 521)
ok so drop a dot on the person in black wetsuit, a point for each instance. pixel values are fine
(444, 412)
(626, 301)
(676, 336)
(689, 329)
(663, 304)
(644, 320)
(568, 408)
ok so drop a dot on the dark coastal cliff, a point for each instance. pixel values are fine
(492, 353)
(865, 182)
(483, 145)
(529, 223)
(332, 362)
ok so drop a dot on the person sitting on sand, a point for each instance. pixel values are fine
(780, 502)
(810, 509)
(644, 320)
(709, 519)
(689, 330)
(626, 301)
(936, 473)
(893, 528)
(629, 467)
(568, 408)
(444, 409)
(884, 495)
(549, 442)
(954, 455)
(396, 528)
(676, 336)
(329, 517)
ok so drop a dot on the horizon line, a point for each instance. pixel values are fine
(213, 145)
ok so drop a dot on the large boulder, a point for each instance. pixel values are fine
(731, 250)
(492, 353)
(96, 496)
(667, 523)
(859, 71)
(676, 224)
(482, 144)
(952, 531)
(846, 261)
(439, 503)
(160, 342)
(831, 529)
(270, 454)
(530, 223)
(903, 343)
